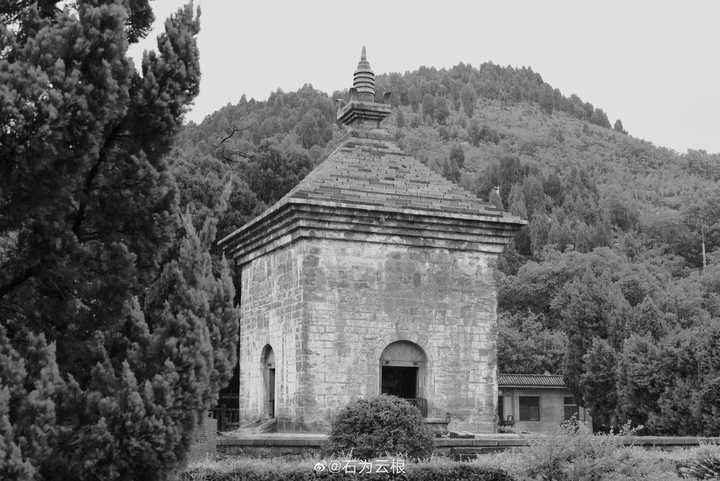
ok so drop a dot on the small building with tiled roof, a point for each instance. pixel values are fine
(373, 275)
(536, 403)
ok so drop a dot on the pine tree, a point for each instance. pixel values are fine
(641, 378)
(539, 226)
(313, 129)
(457, 156)
(468, 97)
(558, 234)
(428, 106)
(452, 169)
(618, 127)
(400, 118)
(647, 319)
(599, 117)
(441, 111)
(516, 201)
(591, 306)
(474, 132)
(117, 328)
(414, 98)
(598, 384)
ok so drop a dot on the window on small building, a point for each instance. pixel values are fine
(529, 408)
(570, 408)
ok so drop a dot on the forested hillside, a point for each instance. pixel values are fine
(615, 282)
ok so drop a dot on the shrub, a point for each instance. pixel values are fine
(578, 455)
(379, 426)
(453, 470)
(704, 463)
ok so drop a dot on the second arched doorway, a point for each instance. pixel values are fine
(268, 376)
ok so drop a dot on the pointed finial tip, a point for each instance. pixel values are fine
(363, 56)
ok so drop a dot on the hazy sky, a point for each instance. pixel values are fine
(653, 64)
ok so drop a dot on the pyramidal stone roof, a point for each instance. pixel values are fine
(368, 168)
(369, 190)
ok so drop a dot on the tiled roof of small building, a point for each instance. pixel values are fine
(531, 380)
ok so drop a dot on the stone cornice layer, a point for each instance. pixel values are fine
(327, 220)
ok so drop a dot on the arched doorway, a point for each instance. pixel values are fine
(403, 365)
(268, 377)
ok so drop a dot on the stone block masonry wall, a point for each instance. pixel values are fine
(271, 309)
(359, 297)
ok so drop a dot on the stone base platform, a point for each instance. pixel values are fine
(310, 445)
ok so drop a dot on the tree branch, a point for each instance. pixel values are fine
(93, 172)
(233, 131)
(219, 146)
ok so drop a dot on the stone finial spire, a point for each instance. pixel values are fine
(361, 109)
(364, 79)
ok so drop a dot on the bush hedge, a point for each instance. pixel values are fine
(299, 471)
(703, 463)
(380, 426)
(577, 455)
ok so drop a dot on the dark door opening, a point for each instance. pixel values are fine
(271, 392)
(400, 381)
(268, 376)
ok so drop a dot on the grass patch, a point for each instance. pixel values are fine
(588, 457)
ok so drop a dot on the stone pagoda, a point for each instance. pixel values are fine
(373, 275)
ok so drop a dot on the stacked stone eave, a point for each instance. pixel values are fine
(329, 220)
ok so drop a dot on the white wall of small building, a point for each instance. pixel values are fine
(551, 408)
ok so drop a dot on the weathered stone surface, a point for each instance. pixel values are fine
(271, 308)
(329, 308)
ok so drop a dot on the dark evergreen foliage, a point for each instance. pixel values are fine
(117, 328)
